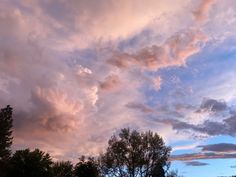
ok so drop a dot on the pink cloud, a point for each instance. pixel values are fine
(201, 13)
(56, 104)
(173, 52)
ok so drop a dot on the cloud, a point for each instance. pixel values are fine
(221, 147)
(54, 72)
(139, 106)
(196, 156)
(204, 7)
(111, 82)
(173, 52)
(196, 163)
(84, 22)
(157, 83)
(217, 118)
(212, 128)
(211, 105)
(210, 151)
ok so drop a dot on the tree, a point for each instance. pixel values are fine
(62, 169)
(173, 173)
(26, 163)
(5, 137)
(134, 154)
(87, 168)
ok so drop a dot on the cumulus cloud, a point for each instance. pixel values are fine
(55, 98)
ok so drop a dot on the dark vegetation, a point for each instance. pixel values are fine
(129, 154)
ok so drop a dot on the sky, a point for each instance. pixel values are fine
(77, 71)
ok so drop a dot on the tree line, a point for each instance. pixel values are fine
(129, 154)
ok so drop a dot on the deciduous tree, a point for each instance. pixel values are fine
(134, 154)
(87, 167)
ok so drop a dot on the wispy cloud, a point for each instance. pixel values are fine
(196, 163)
(221, 147)
(209, 151)
(196, 156)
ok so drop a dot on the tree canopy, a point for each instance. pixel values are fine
(5, 137)
(5, 132)
(87, 167)
(26, 163)
(62, 169)
(134, 154)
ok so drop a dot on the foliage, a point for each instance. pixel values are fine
(134, 154)
(5, 137)
(173, 173)
(62, 169)
(5, 132)
(87, 168)
(26, 163)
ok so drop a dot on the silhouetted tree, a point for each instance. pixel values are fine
(134, 154)
(26, 163)
(5, 137)
(173, 173)
(86, 168)
(62, 169)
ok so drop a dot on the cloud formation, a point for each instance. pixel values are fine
(196, 163)
(139, 106)
(211, 105)
(209, 151)
(212, 128)
(201, 13)
(196, 156)
(72, 87)
(173, 52)
(221, 147)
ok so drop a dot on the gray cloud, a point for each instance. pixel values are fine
(196, 163)
(111, 82)
(195, 156)
(207, 127)
(210, 151)
(226, 127)
(212, 105)
(221, 147)
(224, 122)
(139, 106)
